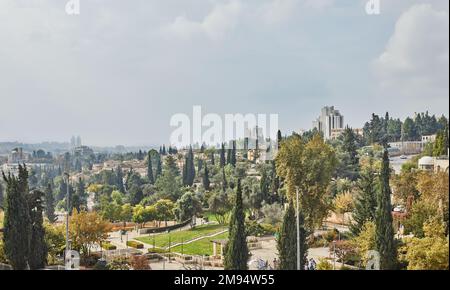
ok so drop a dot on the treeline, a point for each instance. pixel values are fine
(386, 128)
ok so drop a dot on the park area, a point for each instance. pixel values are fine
(196, 241)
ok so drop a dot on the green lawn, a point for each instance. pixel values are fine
(162, 240)
(200, 247)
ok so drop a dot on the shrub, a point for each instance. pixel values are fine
(108, 246)
(324, 264)
(89, 261)
(331, 235)
(135, 245)
(259, 230)
(120, 263)
(140, 263)
(101, 265)
(157, 251)
(269, 229)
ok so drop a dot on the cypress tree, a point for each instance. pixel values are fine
(206, 182)
(245, 155)
(199, 164)
(224, 180)
(190, 168)
(50, 204)
(119, 179)
(256, 155)
(2, 197)
(383, 219)
(222, 155)
(236, 252)
(366, 201)
(158, 168)
(229, 153)
(38, 247)
(185, 172)
(151, 179)
(233, 155)
(279, 138)
(287, 241)
(17, 229)
(212, 159)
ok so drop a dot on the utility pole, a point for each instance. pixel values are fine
(67, 215)
(298, 231)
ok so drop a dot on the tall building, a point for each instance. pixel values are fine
(329, 120)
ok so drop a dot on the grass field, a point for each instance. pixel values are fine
(200, 247)
(162, 240)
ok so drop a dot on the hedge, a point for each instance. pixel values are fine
(135, 245)
(109, 246)
(157, 251)
(164, 229)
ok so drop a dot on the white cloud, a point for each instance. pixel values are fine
(221, 19)
(277, 11)
(415, 62)
(319, 4)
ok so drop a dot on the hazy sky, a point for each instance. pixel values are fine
(117, 72)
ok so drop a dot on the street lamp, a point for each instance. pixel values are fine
(298, 230)
(334, 255)
(168, 231)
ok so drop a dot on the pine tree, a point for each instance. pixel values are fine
(38, 247)
(151, 179)
(287, 241)
(366, 201)
(349, 145)
(236, 251)
(384, 229)
(17, 229)
(206, 182)
(136, 195)
(50, 204)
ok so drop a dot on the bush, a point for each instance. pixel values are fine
(269, 229)
(318, 242)
(135, 245)
(259, 230)
(108, 246)
(324, 264)
(157, 251)
(89, 261)
(120, 263)
(101, 265)
(331, 235)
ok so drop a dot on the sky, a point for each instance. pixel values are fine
(118, 71)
